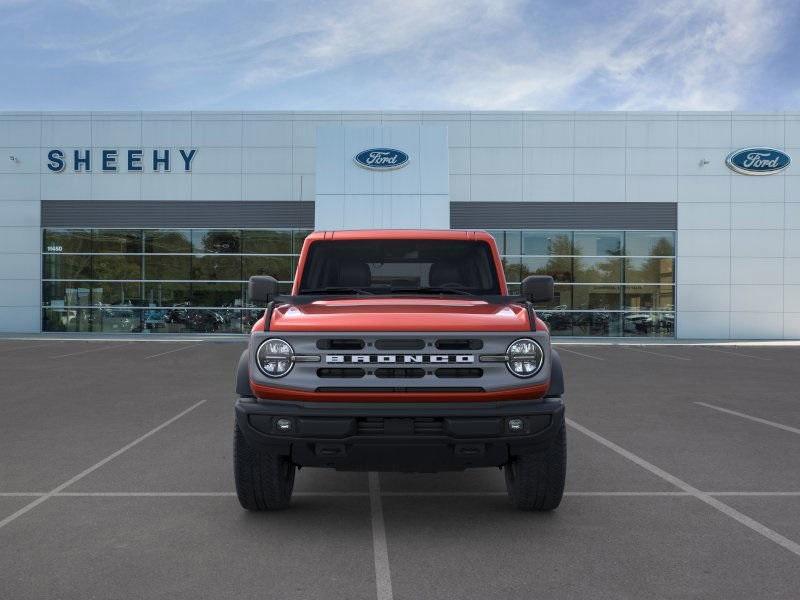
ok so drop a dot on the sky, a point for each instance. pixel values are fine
(400, 55)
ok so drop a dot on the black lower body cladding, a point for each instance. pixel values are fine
(410, 437)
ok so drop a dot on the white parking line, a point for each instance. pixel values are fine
(194, 345)
(562, 349)
(657, 353)
(759, 528)
(742, 354)
(30, 506)
(383, 576)
(794, 430)
(90, 350)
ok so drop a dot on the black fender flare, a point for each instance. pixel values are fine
(243, 375)
(556, 388)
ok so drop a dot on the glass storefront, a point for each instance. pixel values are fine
(160, 280)
(608, 283)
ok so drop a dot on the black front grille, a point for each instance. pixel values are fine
(458, 372)
(340, 372)
(459, 344)
(340, 344)
(399, 389)
(399, 373)
(400, 344)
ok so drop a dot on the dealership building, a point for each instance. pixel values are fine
(654, 225)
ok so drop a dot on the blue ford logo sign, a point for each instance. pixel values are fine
(758, 161)
(381, 159)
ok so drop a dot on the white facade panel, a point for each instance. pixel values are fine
(258, 186)
(116, 134)
(20, 133)
(19, 319)
(761, 271)
(704, 270)
(761, 132)
(700, 188)
(703, 325)
(696, 133)
(166, 133)
(705, 215)
(599, 134)
(599, 188)
(547, 188)
(756, 325)
(495, 134)
(547, 133)
(756, 243)
(651, 188)
(496, 188)
(661, 133)
(704, 297)
(704, 242)
(19, 186)
(548, 161)
(757, 215)
(652, 161)
(166, 186)
(599, 161)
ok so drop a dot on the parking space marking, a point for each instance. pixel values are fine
(30, 506)
(656, 353)
(383, 576)
(742, 354)
(91, 350)
(742, 518)
(562, 349)
(735, 413)
(193, 345)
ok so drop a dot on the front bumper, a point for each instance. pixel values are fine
(413, 437)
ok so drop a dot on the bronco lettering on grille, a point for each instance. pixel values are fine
(399, 358)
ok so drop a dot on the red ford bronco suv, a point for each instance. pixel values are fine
(400, 351)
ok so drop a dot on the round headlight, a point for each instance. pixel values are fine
(525, 357)
(275, 357)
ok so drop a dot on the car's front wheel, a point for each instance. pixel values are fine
(536, 481)
(264, 480)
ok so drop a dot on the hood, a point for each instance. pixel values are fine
(400, 314)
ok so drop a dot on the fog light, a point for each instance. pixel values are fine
(283, 424)
(516, 425)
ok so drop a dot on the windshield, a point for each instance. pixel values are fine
(398, 267)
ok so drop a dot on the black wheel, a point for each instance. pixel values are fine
(536, 481)
(264, 480)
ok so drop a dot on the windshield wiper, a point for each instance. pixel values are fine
(337, 290)
(432, 290)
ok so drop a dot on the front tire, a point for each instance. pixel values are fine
(264, 479)
(536, 481)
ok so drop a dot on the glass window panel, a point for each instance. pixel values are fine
(225, 241)
(547, 243)
(597, 297)
(558, 321)
(513, 270)
(598, 270)
(67, 240)
(598, 243)
(499, 238)
(90, 293)
(202, 320)
(649, 324)
(299, 237)
(558, 267)
(117, 320)
(217, 266)
(167, 267)
(217, 294)
(67, 266)
(650, 243)
(168, 241)
(67, 319)
(279, 267)
(117, 240)
(117, 266)
(167, 294)
(266, 242)
(649, 270)
(562, 299)
(513, 242)
(649, 297)
(596, 324)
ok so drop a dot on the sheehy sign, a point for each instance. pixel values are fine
(111, 161)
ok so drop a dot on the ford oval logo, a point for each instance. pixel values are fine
(381, 159)
(758, 161)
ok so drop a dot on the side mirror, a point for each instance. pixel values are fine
(262, 288)
(538, 288)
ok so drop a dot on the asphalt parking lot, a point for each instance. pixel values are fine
(116, 482)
